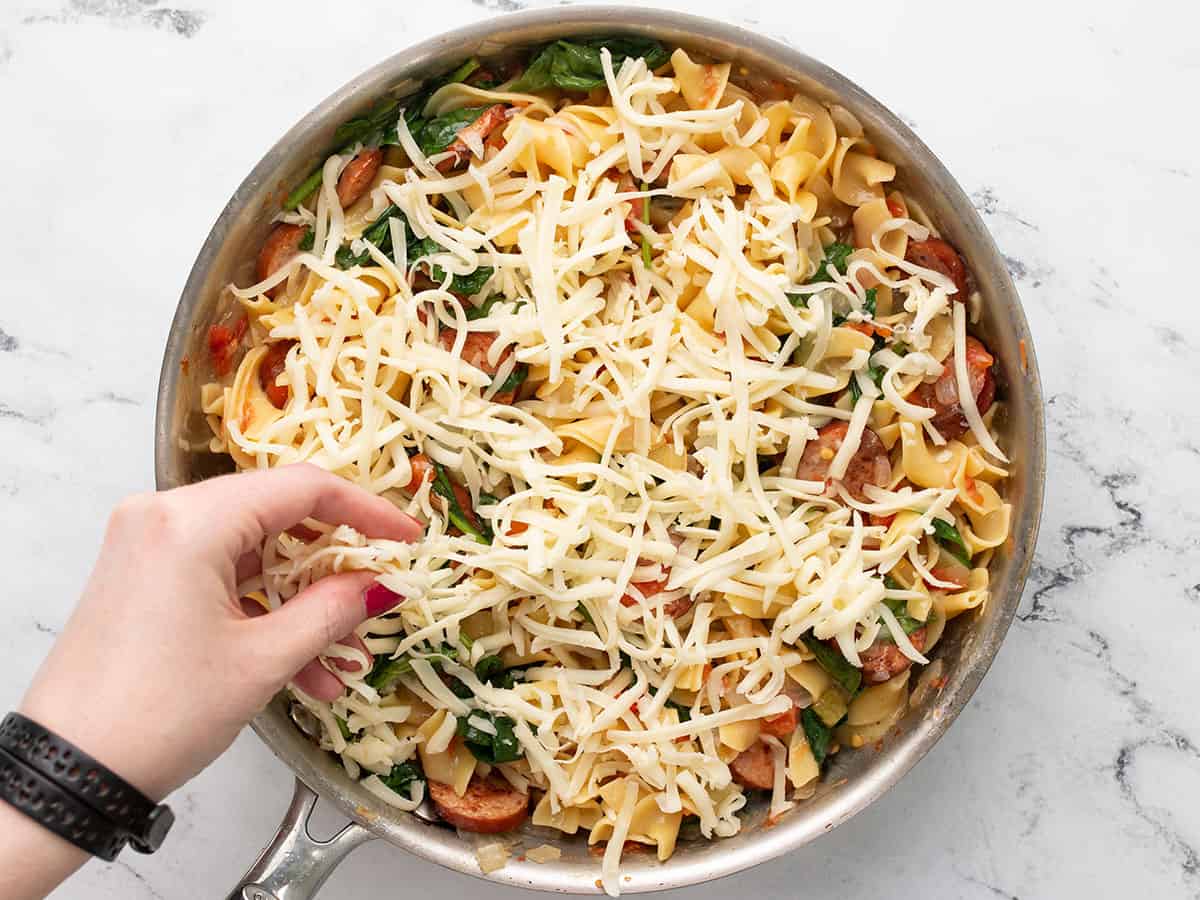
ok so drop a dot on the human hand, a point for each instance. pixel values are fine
(160, 666)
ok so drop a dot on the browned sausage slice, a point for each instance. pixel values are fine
(475, 348)
(489, 806)
(281, 245)
(942, 395)
(754, 768)
(883, 659)
(357, 176)
(869, 465)
(938, 255)
(489, 120)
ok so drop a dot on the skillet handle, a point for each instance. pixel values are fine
(295, 865)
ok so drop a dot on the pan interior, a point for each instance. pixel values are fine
(856, 778)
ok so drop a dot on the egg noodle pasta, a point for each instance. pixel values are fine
(688, 401)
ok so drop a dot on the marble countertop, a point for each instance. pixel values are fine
(1075, 770)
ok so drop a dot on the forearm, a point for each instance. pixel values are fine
(33, 860)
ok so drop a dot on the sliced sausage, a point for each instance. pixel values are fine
(938, 255)
(883, 659)
(754, 767)
(475, 348)
(780, 726)
(281, 245)
(357, 176)
(869, 465)
(272, 366)
(489, 806)
(475, 351)
(490, 119)
(942, 395)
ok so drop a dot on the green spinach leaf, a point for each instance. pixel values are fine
(875, 373)
(832, 661)
(378, 233)
(489, 667)
(435, 135)
(576, 66)
(899, 608)
(462, 519)
(515, 379)
(492, 670)
(403, 776)
(869, 301)
(837, 256)
(387, 671)
(818, 734)
(948, 537)
(376, 127)
(500, 747)
(483, 310)
(467, 285)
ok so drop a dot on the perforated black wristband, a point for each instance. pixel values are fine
(88, 781)
(52, 807)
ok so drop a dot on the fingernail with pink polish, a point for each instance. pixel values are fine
(380, 599)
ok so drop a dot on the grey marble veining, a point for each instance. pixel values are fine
(1075, 772)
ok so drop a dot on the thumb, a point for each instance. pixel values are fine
(320, 615)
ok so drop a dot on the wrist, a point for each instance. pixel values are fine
(130, 755)
(35, 860)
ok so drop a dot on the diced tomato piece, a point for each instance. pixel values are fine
(223, 341)
(271, 367)
(870, 329)
(781, 725)
(673, 609)
(422, 471)
(647, 588)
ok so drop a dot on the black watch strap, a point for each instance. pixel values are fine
(54, 808)
(145, 823)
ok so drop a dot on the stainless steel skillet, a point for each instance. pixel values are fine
(294, 865)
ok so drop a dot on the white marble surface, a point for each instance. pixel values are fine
(1075, 771)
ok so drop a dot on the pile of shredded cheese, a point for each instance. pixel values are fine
(654, 460)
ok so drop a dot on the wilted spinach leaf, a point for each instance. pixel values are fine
(576, 66)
